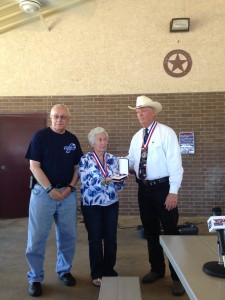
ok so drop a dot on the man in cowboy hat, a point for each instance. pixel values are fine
(155, 157)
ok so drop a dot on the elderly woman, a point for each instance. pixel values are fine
(99, 203)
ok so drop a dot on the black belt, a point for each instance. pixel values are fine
(59, 185)
(152, 182)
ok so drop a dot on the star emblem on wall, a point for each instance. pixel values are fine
(177, 63)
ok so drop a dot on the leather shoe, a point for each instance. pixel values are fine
(151, 277)
(177, 288)
(67, 279)
(111, 273)
(35, 289)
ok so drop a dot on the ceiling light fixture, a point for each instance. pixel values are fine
(179, 24)
(30, 7)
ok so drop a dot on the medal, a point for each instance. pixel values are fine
(144, 154)
(102, 167)
(103, 181)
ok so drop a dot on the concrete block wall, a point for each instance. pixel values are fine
(202, 113)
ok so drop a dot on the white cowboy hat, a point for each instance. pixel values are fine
(143, 101)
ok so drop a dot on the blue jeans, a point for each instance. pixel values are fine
(101, 224)
(42, 211)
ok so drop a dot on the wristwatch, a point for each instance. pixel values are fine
(73, 189)
(49, 188)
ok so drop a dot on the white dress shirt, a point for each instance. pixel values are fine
(164, 158)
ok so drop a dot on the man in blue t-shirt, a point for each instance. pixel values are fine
(54, 154)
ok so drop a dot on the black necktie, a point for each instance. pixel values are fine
(146, 135)
(143, 159)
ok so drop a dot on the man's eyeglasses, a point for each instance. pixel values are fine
(56, 117)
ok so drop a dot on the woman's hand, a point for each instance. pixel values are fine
(108, 180)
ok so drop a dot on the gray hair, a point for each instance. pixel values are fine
(93, 133)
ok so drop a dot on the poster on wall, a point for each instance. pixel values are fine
(187, 142)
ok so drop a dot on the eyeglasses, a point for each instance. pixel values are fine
(56, 117)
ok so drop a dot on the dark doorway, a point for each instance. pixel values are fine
(15, 134)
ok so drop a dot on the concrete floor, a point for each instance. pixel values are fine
(131, 261)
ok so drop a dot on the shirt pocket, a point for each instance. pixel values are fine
(155, 150)
(155, 144)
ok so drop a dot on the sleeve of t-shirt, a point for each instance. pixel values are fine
(79, 153)
(34, 149)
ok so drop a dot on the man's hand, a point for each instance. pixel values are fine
(66, 192)
(56, 194)
(131, 172)
(171, 201)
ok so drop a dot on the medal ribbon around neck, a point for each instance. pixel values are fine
(152, 128)
(103, 168)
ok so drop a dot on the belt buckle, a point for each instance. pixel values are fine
(152, 182)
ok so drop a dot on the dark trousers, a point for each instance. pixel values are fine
(153, 214)
(101, 224)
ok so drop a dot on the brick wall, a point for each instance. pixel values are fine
(203, 184)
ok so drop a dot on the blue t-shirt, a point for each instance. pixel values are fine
(57, 153)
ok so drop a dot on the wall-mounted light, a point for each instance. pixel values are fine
(179, 24)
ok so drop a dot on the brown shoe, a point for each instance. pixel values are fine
(151, 277)
(177, 288)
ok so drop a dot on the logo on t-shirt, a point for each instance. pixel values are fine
(70, 148)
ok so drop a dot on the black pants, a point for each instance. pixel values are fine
(101, 224)
(153, 213)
